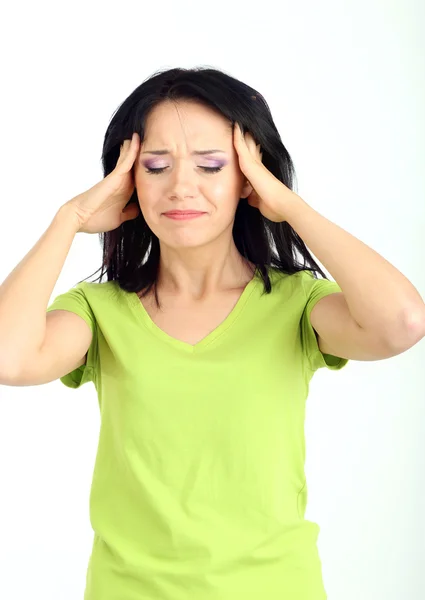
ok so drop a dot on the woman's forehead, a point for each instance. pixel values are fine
(190, 122)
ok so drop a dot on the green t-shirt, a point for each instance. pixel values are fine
(199, 489)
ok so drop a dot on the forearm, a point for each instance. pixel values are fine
(25, 293)
(380, 298)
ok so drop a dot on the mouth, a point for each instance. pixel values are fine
(180, 215)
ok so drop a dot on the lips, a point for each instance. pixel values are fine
(184, 212)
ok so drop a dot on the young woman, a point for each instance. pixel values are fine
(201, 343)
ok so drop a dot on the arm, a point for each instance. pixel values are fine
(25, 293)
(379, 312)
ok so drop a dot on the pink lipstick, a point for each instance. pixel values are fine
(180, 215)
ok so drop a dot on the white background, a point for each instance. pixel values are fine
(345, 84)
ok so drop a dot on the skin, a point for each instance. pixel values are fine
(198, 257)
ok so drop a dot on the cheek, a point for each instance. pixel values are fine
(221, 189)
(218, 191)
(226, 195)
(147, 191)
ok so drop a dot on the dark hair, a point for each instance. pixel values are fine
(131, 252)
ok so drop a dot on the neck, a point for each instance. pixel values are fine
(197, 277)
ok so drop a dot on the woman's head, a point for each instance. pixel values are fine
(183, 111)
(187, 161)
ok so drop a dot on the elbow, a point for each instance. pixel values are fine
(410, 331)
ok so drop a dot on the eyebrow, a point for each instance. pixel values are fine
(196, 152)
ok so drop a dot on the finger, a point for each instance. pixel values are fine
(123, 150)
(240, 142)
(252, 147)
(247, 141)
(238, 133)
(131, 151)
(129, 144)
(124, 145)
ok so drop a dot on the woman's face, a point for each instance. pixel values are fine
(187, 180)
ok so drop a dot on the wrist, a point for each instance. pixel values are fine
(68, 214)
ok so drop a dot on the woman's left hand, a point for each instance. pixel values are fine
(268, 194)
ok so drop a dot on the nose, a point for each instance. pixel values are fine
(182, 180)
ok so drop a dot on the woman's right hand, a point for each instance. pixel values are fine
(100, 208)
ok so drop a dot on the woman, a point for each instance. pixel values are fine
(203, 341)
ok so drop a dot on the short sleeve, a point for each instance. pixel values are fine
(75, 300)
(315, 290)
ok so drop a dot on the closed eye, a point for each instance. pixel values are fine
(161, 169)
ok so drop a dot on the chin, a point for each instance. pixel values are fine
(183, 243)
(185, 238)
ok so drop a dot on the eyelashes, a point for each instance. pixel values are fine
(162, 169)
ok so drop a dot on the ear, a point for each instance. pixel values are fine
(246, 190)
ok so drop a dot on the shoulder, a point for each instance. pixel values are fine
(312, 286)
(94, 291)
(303, 282)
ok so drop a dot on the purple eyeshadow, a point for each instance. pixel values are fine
(154, 164)
(216, 163)
(149, 164)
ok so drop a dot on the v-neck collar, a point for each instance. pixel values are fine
(141, 313)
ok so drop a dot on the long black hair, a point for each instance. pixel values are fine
(131, 252)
